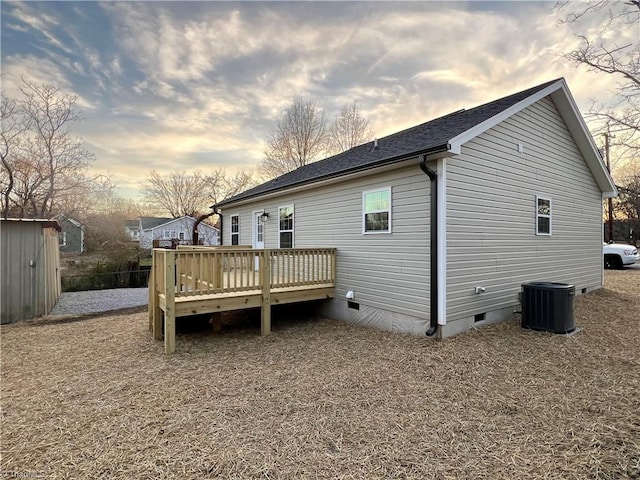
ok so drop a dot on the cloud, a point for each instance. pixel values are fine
(168, 85)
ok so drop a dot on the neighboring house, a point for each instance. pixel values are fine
(177, 230)
(132, 229)
(438, 226)
(29, 268)
(71, 238)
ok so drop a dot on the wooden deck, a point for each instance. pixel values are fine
(195, 280)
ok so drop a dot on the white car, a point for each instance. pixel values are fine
(617, 255)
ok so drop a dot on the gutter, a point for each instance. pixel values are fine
(359, 168)
(433, 246)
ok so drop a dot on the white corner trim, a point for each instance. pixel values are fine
(442, 241)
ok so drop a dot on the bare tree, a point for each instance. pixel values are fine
(43, 165)
(177, 193)
(612, 55)
(298, 139)
(628, 202)
(348, 130)
(225, 185)
(180, 193)
(62, 159)
(12, 126)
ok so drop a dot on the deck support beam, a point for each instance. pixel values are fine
(170, 307)
(265, 276)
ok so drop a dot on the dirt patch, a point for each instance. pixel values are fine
(322, 399)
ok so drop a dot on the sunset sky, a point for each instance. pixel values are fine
(196, 86)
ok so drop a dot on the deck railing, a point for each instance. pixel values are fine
(206, 271)
(196, 274)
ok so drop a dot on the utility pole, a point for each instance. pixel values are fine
(607, 136)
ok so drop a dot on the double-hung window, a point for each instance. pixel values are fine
(543, 215)
(376, 211)
(235, 230)
(285, 227)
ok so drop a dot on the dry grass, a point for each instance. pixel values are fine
(321, 399)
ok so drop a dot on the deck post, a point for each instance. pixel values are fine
(151, 288)
(333, 264)
(154, 289)
(170, 307)
(265, 277)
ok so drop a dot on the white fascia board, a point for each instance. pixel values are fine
(339, 178)
(572, 117)
(455, 144)
(566, 105)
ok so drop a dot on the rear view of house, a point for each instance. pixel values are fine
(438, 226)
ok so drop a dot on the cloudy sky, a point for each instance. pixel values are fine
(186, 86)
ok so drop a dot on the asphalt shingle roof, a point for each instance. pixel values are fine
(431, 136)
(152, 222)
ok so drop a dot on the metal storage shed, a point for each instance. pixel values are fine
(29, 268)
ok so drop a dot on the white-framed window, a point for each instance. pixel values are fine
(181, 236)
(544, 208)
(169, 234)
(285, 226)
(165, 234)
(376, 211)
(235, 230)
(62, 239)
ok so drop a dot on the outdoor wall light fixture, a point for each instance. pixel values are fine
(264, 217)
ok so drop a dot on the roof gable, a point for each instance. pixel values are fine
(208, 226)
(443, 135)
(63, 218)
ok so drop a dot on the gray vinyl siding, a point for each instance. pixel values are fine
(387, 271)
(491, 195)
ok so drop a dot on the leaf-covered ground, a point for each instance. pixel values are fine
(96, 398)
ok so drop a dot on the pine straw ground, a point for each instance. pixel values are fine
(320, 399)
